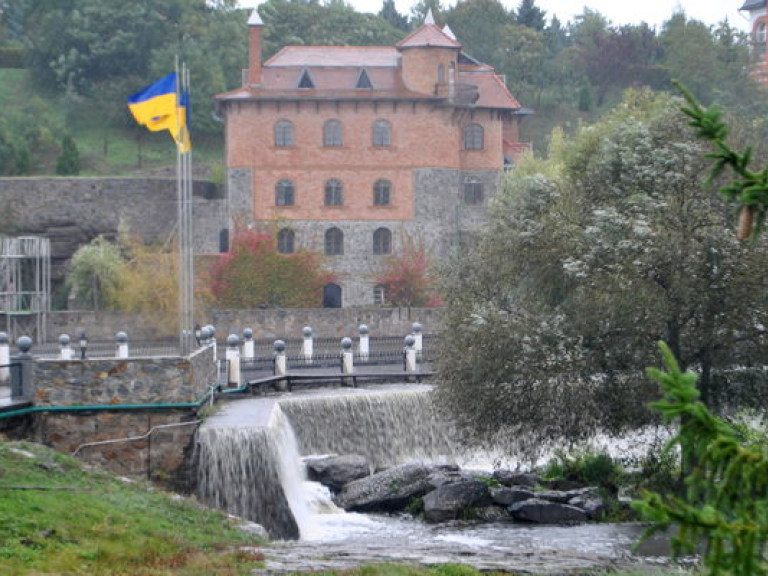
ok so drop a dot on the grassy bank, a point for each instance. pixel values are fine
(58, 518)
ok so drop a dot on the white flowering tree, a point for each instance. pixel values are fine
(613, 243)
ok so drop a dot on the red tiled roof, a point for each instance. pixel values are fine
(335, 56)
(335, 70)
(428, 35)
(493, 92)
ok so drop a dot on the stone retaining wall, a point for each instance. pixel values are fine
(109, 387)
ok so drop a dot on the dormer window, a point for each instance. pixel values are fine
(306, 80)
(364, 81)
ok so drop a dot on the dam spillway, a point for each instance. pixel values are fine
(248, 454)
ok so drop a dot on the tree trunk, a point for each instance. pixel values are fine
(746, 219)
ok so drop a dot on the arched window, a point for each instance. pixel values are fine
(473, 191)
(334, 242)
(283, 133)
(285, 241)
(284, 193)
(382, 241)
(441, 73)
(761, 34)
(381, 192)
(381, 133)
(334, 193)
(332, 133)
(473, 137)
(331, 296)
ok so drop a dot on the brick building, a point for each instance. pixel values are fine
(758, 17)
(353, 150)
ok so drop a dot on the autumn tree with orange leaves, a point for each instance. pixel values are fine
(406, 279)
(253, 274)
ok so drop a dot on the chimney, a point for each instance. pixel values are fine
(254, 48)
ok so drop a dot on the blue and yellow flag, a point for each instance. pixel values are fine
(158, 107)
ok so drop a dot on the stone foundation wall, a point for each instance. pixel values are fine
(159, 455)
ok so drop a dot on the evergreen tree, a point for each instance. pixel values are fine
(528, 14)
(68, 162)
(390, 14)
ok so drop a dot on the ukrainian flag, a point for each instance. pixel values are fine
(158, 107)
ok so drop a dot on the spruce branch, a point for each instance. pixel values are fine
(749, 188)
(726, 501)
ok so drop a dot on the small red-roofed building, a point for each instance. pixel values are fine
(758, 18)
(354, 150)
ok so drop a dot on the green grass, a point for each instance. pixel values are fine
(58, 518)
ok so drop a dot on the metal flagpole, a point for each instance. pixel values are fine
(184, 200)
(189, 254)
(179, 225)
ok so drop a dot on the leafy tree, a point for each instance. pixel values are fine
(68, 162)
(254, 275)
(312, 23)
(148, 281)
(94, 274)
(724, 502)
(419, 11)
(613, 243)
(406, 280)
(481, 24)
(712, 63)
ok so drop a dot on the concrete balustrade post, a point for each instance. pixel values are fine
(347, 360)
(66, 352)
(22, 380)
(5, 357)
(281, 364)
(417, 344)
(409, 354)
(308, 346)
(211, 332)
(122, 345)
(364, 348)
(249, 348)
(233, 360)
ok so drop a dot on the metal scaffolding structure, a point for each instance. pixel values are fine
(25, 286)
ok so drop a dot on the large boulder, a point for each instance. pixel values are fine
(387, 491)
(506, 495)
(337, 471)
(450, 501)
(545, 512)
(512, 478)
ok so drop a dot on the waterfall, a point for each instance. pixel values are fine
(254, 473)
(248, 457)
(387, 427)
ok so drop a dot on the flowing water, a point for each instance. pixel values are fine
(249, 462)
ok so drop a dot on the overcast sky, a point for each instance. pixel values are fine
(617, 11)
